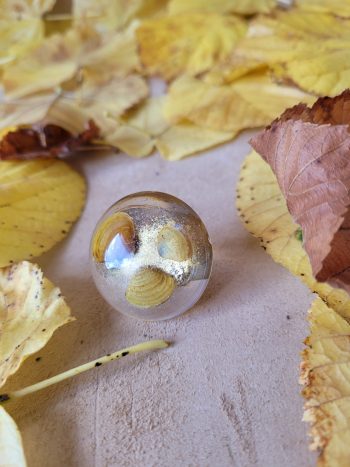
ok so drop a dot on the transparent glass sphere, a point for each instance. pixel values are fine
(151, 256)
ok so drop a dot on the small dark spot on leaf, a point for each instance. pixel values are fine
(38, 359)
(4, 397)
(124, 354)
(98, 364)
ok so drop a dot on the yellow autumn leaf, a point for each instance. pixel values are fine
(111, 99)
(185, 139)
(189, 44)
(133, 141)
(242, 7)
(116, 53)
(107, 15)
(11, 449)
(333, 7)
(18, 37)
(309, 49)
(229, 108)
(43, 68)
(172, 141)
(325, 374)
(78, 53)
(40, 200)
(31, 309)
(21, 26)
(264, 212)
(15, 9)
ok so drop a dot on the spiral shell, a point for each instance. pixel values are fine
(115, 239)
(172, 244)
(149, 287)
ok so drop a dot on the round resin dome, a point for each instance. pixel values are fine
(151, 256)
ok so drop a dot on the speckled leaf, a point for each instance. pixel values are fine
(325, 375)
(31, 309)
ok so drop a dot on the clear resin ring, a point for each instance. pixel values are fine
(151, 256)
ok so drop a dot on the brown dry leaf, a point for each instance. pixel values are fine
(229, 108)
(40, 200)
(325, 374)
(241, 7)
(48, 141)
(189, 44)
(264, 212)
(11, 449)
(31, 309)
(307, 149)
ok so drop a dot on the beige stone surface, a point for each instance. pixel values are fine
(226, 392)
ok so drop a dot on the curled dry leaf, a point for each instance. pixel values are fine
(31, 309)
(171, 46)
(308, 150)
(50, 141)
(264, 212)
(325, 374)
(11, 449)
(40, 200)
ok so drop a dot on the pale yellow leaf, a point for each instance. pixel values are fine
(11, 449)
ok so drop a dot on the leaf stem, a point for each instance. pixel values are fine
(149, 345)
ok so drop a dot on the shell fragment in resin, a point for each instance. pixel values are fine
(151, 256)
(114, 240)
(172, 244)
(149, 287)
